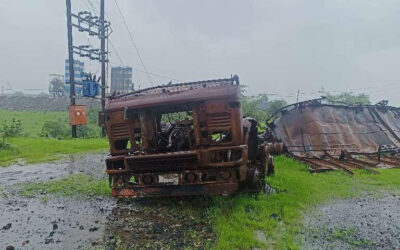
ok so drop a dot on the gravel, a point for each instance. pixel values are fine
(368, 222)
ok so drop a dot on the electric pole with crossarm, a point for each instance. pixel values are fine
(84, 21)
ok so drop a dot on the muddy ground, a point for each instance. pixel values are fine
(368, 222)
(93, 222)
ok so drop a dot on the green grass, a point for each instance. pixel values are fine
(32, 121)
(280, 215)
(72, 185)
(349, 235)
(33, 150)
(2, 192)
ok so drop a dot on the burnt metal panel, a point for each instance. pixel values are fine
(177, 94)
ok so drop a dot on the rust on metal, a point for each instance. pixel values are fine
(330, 137)
(183, 139)
(77, 115)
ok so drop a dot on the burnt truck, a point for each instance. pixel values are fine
(184, 139)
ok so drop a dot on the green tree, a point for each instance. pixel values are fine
(255, 106)
(348, 98)
(260, 107)
(275, 105)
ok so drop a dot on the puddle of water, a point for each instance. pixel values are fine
(93, 165)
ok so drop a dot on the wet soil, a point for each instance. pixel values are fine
(99, 222)
(369, 222)
(93, 165)
(57, 224)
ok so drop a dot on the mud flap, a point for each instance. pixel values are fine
(256, 180)
(270, 166)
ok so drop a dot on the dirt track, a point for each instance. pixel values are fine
(79, 223)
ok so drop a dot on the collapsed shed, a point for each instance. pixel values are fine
(328, 137)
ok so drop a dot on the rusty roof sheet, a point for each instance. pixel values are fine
(316, 131)
(176, 94)
(178, 88)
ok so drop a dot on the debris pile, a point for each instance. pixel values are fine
(342, 137)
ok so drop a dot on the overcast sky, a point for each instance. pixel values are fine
(275, 46)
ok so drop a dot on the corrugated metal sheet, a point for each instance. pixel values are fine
(334, 135)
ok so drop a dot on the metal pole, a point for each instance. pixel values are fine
(71, 62)
(103, 62)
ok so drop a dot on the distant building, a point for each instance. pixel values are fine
(78, 70)
(121, 80)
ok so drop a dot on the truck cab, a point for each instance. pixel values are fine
(181, 139)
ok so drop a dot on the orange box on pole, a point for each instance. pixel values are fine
(77, 115)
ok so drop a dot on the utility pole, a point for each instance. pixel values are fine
(103, 62)
(95, 26)
(71, 62)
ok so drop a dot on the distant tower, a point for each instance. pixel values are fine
(78, 70)
(121, 80)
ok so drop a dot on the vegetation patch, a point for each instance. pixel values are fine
(2, 192)
(349, 235)
(279, 215)
(73, 185)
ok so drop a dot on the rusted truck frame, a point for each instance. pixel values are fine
(210, 150)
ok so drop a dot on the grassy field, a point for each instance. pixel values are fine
(279, 215)
(33, 150)
(32, 121)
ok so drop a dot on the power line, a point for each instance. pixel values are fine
(90, 5)
(116, 53)
(153, 74)
(133, 42)
(87, 3)
(158, 75)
